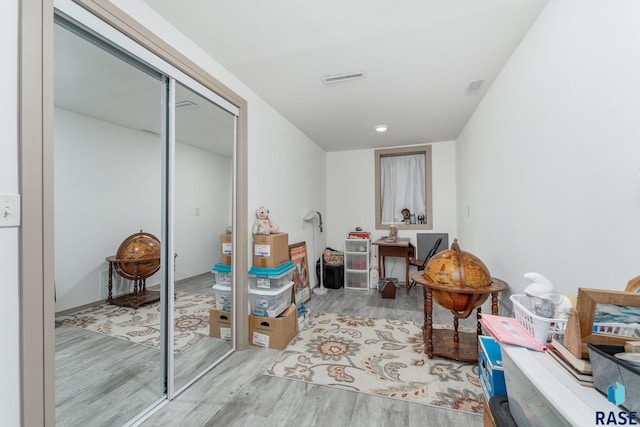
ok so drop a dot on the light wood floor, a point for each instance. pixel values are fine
(106, 381)
(236, 393)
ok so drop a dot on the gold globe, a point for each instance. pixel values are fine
(138, 256)
(457, 269)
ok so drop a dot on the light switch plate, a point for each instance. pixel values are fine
(9, 210)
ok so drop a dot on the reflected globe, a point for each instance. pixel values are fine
(143, 248)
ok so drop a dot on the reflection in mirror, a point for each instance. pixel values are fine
(403, 188)
(205, 139)
(107, 186)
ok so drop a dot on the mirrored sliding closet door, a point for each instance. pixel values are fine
(144, 202)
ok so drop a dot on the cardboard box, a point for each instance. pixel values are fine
(270, 250)
(220, 324)
(274, 332)
(226, 248)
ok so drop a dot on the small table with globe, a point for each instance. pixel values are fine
(137, 258)
(459, 282)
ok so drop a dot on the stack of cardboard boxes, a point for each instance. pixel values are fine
(273, 320)
(220, 316)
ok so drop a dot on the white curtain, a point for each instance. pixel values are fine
(402, 186)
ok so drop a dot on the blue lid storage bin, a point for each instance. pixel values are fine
(222, 274)
(490, 367)
(271, 278)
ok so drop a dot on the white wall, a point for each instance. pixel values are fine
(549, 163)
(351, 196)
(9, 265)
(286, 168)
(108, 186)
(204, 182)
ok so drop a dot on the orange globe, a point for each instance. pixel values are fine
(144, 248)
(457, 269)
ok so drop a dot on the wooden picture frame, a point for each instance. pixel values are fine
(633, 285)
(586, 304)
(301, 283)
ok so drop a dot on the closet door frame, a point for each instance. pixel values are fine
(37, 341)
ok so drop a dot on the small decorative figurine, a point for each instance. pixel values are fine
(263, 224)
(421, 218)
(406, 215)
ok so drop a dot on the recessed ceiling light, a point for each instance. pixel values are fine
(381, 128)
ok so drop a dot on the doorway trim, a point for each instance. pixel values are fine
(37, 346)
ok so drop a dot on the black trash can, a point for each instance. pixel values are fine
(333, 277)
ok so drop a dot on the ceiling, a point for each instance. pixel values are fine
(419, 58)
(93, 82)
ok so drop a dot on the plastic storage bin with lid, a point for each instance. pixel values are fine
(222, 274)
(270, 302)
(271, 278)
(223, 297)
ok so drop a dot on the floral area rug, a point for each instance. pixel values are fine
(380, 357)
(142, 325)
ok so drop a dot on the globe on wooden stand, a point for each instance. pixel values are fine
(455, 268)
(137, 258)
(460, 282)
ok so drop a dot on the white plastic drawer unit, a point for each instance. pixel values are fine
(356, 245)
(356, 280)
(357, 253)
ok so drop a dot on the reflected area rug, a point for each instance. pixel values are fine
(142, 325)
(380, 357)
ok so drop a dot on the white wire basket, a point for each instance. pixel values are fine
(540, 328)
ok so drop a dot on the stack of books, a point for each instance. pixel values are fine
(580, 369)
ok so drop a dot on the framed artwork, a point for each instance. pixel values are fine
(301, 284)
(602, 317)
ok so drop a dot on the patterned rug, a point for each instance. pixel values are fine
(380, 357)
(142, 325)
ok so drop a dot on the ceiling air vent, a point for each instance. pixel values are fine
(184, 104)
(474, 87)
(335, 78)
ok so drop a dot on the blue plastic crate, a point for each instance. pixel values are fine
(490, 367)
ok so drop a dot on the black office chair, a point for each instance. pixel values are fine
(422, 265)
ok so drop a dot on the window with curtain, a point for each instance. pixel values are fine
(401, 186)
(403, 183)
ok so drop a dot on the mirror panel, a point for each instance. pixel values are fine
(108, 171)
(203, 182)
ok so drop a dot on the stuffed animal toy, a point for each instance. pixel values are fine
(263, 224)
